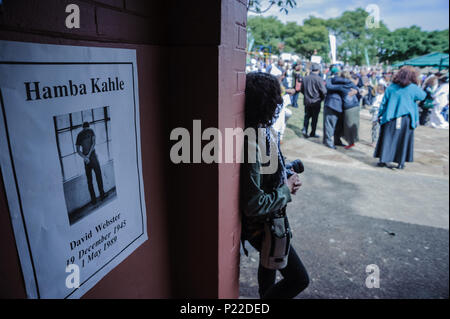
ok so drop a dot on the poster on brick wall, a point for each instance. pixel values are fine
(71, 162)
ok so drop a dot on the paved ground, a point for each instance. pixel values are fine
(350, 214)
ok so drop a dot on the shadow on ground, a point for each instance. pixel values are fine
(336, 245)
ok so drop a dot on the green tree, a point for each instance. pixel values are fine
(353, 38)
(266, 31)
(315, 22)
(302, 40)
(312, 38)
(290, 34)
(437, 41)
(406, 43)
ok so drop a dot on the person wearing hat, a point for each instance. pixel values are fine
(314, 91)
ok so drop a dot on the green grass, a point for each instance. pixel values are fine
(294, 125)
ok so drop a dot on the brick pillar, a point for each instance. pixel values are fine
(207, 72)
(232, 57)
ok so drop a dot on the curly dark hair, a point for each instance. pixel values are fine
(406, 75)
(262, 97)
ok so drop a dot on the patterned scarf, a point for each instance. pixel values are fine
(280, 176)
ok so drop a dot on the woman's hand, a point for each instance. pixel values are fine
(290, 91)
(294, 183)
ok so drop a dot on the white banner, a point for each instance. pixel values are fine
(71, 162)
(333, 48)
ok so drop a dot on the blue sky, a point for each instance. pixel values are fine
(428, 14)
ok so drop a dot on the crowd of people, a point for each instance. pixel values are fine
(344, 90)
(393, 99)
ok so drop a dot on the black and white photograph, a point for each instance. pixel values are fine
(84, 149)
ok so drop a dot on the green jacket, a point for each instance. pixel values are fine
(260, 197)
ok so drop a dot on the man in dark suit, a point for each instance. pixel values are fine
(314, 91)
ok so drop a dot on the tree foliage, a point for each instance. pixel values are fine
(354, 38)
(301, 39)
(257, 5)
(405, 43)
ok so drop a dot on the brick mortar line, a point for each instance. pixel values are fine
(118, 9)
(98, 38)
(73, 36)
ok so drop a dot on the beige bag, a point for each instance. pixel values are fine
(275, 246)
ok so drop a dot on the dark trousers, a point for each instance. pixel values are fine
(94, 165)
(424, 116)
(295, 279)
(333, 125)
(294, 99)
(311, 112)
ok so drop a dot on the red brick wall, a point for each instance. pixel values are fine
(183, 55)
(231, 115)
(145, 274)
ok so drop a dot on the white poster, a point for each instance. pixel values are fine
(316, 59)
(71, 162)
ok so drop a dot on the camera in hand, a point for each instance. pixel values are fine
(293, 167)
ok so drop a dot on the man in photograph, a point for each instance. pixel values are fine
(86, 149)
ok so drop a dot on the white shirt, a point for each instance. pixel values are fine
(275, 70)
(440, 101)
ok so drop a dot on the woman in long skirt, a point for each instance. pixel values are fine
(351, 112)
(399, 116)
(351, 126)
